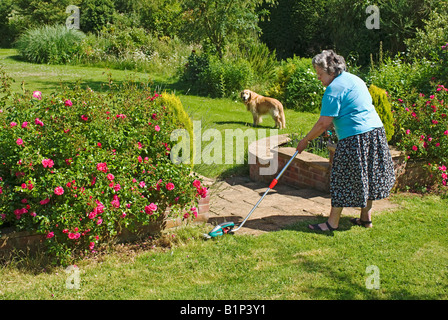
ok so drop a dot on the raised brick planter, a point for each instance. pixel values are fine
(306, 171)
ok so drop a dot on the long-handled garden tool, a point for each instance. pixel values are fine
(228, 227)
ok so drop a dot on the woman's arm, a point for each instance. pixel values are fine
(320, 126)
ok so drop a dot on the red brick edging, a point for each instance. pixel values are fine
(27, 241)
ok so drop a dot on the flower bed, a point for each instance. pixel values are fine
(422, 125)
(78, 166)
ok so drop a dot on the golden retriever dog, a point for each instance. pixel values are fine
(259, 105)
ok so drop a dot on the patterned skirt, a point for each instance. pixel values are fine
(362, 170)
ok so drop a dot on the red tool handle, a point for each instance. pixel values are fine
(274, 182)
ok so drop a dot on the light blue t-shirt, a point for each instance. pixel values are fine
(348, 100)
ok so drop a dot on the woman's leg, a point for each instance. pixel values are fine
(365, 219)
(333, 220)
(366, 214)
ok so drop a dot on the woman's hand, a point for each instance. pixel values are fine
(319, 127)
(302, 145)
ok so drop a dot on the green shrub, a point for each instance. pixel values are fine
(195, 66)
(50, 44)
(297, 86)
(262, 61)
(95, 14)
(6, 32)
(212, 76)
(133, 48)
(383, 108)
(174, 105)
(400, 78)
(77, 165)
(161, 17)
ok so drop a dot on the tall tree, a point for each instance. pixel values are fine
(214, 23)
(294, 27)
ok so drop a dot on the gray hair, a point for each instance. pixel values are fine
(330, 62)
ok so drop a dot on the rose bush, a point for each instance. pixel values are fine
(423, 129)
(78, 165)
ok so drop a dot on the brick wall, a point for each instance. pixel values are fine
(312, 171)
(306, 171)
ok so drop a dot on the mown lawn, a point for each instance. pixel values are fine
(407, 247)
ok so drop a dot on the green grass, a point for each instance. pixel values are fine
(47, 78)
(408, 246)
(225, 114)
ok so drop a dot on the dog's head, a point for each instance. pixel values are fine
(245, 95)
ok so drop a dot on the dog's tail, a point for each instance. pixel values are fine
(283, 118)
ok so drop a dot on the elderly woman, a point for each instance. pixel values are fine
(362, 169)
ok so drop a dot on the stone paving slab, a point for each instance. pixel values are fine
(233, 198)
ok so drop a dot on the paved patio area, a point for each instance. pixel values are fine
(232, 200)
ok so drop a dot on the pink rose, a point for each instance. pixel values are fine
(68, 103)
(153, 207)
(38, 122)
(157, 128)
(150, 208)
(47, 163)
(19, 141)
(169, 186)
(59, 191)
(50, 235)
(196, 183)
(102, 167)
(110, 176)
(202, 192)
(37, 95)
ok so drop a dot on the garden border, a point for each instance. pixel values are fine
(31, 242)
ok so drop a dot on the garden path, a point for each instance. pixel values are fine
(233, 198)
